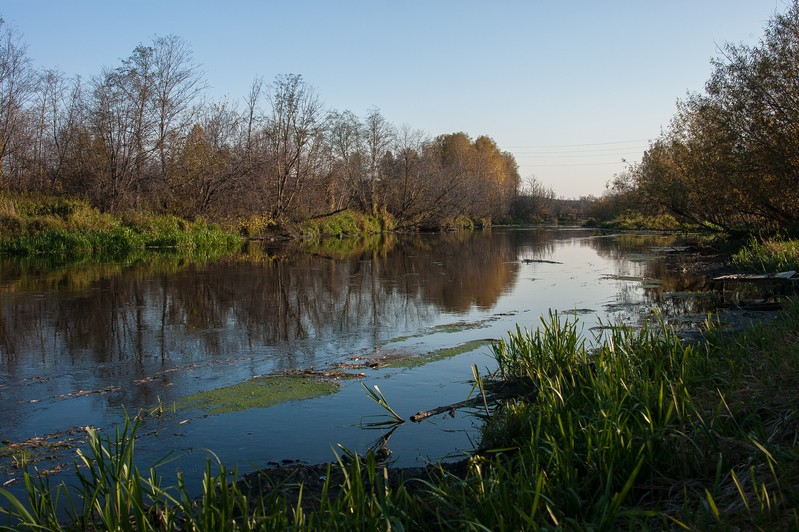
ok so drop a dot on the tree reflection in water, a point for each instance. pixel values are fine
(162, 327)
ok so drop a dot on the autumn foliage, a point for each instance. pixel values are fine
(144, 136)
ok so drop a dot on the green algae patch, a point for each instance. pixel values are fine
(260, 392)
(457, 327)
(448, 328)
(439, 354)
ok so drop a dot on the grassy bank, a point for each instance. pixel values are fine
(770, 255)
(633, 221)
(37, 224)
(638, 430)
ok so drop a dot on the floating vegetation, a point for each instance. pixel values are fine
(642, 257)
(333, 374)
(373, 361)
(687, 295)
(578, 311)
(459, 326)
(621, 278)
(448, 328)
(539, 261)
(46, 452)
(621, 306)
(439, 354)
(260, 392)
(83, 393)
(399, 339)
(670, 249)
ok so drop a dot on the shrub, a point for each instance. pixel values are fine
(255, 226)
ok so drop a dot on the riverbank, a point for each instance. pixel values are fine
(71, 228)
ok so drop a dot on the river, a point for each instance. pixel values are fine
(83, 343)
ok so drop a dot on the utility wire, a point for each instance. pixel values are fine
(535, 165)
(576, 145)
(599, 151)
(627, 154)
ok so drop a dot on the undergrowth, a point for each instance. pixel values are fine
(37, 224)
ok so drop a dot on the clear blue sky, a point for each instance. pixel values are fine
(569, 87)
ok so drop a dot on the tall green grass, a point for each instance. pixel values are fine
(771, 255)
(37, 224)
(634, 429)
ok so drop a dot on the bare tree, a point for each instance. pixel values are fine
(409, 185)
(294, 136)
(534, 201)
(17, 83)
(345, 140)
(378, 135)
(254, 115)
(122, 128)
(213, 171)
(177, 82)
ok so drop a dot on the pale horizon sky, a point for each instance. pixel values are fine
(570, 88)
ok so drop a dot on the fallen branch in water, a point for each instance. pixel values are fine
(499, 390)
(540, 261)
(424, 414)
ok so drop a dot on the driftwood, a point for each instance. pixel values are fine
(540, 261)
(498, 391)
(424, 414)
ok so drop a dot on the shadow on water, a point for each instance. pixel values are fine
(80, 341)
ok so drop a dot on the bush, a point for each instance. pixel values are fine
(342, 224)
(255, 226)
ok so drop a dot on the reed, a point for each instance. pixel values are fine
(770, 255)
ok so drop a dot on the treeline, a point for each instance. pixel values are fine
(143, 135)
(729, 160)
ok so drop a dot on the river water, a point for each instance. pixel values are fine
(80, 344)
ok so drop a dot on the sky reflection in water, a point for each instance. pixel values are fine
(80, 342)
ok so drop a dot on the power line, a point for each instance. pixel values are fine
(598, 151)
(569, 156)
(534, 165)
(576, 145)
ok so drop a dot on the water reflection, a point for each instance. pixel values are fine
(125, 321)
(77, 342)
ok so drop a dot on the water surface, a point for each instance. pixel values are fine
(78, 343)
